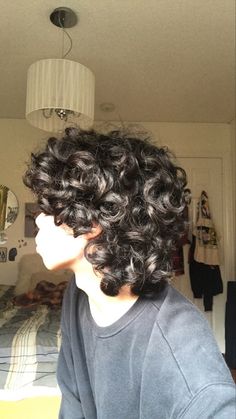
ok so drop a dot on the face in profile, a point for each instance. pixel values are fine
(56, 244)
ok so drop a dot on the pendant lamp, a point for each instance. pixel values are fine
(60, 92)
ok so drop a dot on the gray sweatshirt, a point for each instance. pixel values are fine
(159, 360)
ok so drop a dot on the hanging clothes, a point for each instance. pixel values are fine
(204, 271)
(206, 249)
(205, 279)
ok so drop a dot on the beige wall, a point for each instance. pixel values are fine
(18, 139)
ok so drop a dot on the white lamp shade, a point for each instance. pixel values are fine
(59, 84)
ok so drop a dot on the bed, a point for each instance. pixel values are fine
(30, 339)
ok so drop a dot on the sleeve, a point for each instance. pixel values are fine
(216, 401)
(70, 404)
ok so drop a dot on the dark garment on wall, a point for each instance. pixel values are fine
(230, 328)
(205, 279)
(178, 261)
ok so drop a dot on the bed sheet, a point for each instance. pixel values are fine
(30, 339)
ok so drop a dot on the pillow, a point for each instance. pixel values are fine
(28, 264)
(50, 276)
(32, 264)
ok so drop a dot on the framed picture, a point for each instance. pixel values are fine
(31, 212)
(3, 254)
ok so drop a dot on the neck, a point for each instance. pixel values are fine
(105, 309)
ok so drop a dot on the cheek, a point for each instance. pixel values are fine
(59, 245)
(68, 247)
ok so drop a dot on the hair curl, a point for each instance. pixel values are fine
(131, 188)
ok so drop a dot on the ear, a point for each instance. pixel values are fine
(96, 230)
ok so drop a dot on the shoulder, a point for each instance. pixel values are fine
(177, 313)
(183, 362)
(189, 343)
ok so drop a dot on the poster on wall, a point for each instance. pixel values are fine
(3, 254)
(31, 212)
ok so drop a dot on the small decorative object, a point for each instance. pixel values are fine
(9, 208)
(3, 254)
(12, 254)
(31, 212)
(3, 237)
(22, 243)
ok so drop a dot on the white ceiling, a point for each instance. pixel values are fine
(155, 60)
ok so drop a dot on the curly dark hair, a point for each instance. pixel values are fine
(131, 188)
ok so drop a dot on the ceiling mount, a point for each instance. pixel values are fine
(63, 17)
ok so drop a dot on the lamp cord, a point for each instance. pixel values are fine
(68, 36)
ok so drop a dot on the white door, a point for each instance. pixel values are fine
(206, 174)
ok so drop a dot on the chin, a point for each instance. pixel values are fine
(55, 266)
(47, 263)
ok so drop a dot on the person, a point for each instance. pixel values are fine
(112, 210)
